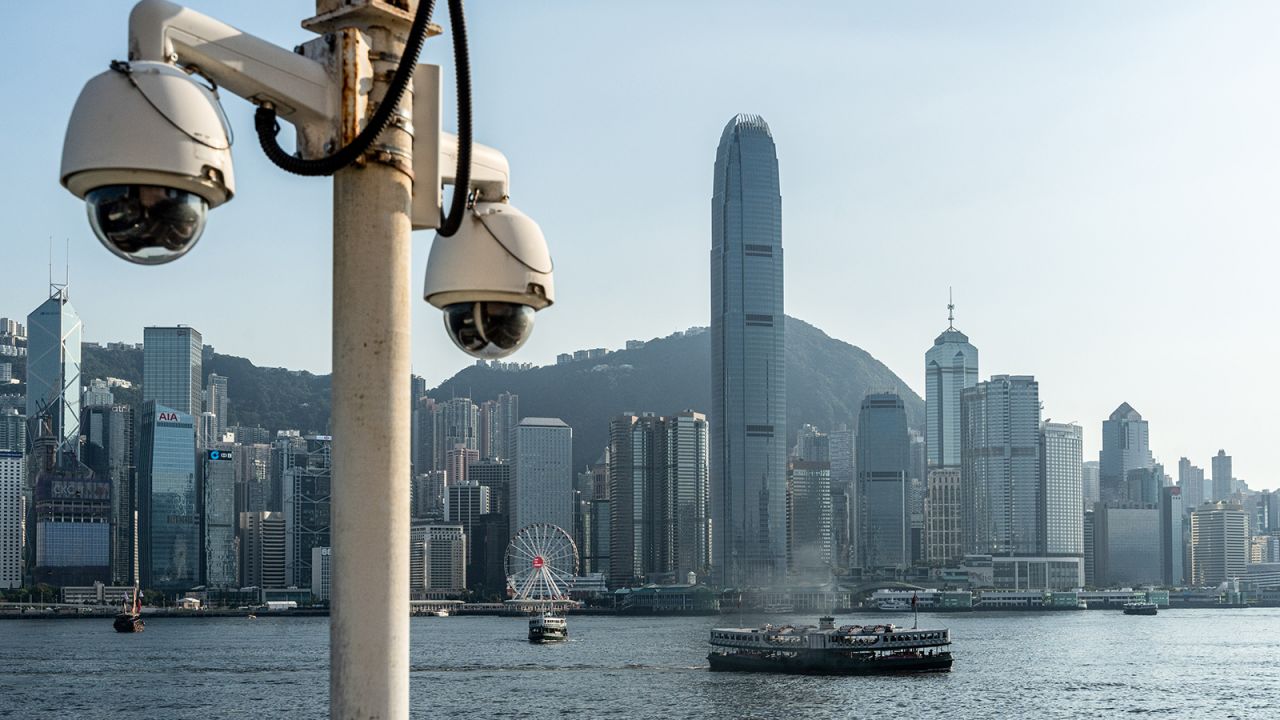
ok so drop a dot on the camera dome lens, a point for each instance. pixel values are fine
(488, 329)
(146, 224)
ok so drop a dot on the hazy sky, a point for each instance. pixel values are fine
(1096, 180)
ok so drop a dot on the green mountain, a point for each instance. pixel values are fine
(274, 398)
(826, 382)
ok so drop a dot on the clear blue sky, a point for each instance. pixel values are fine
(1096, 179)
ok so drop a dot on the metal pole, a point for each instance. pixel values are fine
(369, 599)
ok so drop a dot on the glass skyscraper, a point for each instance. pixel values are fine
(883, 449)
(172, 358)
(169, 547)
(218, 471)
(1125, 446)
(748, 374)
(53, 372)
(1000, 466)
(950, 366)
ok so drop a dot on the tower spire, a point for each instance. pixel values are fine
(951, 310)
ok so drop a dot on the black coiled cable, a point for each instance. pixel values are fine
(268, 127)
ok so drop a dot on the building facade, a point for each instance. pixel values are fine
(943, 517)
(308, 493)
(169, 500)
(108, 450)
(1000, 466)
(543, 487)
(218, 517)
(1191, 480)
(883, 460)
(437, 561)
(809, 535)
(464, 504)
(262, 549)
(1222, 477)
(1062, 489)
(950, 366)
(748, 416)
(1125, 446)
(11, 518)
(1127, 545)
(53, 372)
(172, 361)
(1219, 543)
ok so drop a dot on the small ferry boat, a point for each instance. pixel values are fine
(547, 628)
(828, 650)
(1140, 608)
(894, 605)
(438, 612)
(129, 619)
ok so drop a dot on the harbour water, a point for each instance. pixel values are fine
(1179, 664)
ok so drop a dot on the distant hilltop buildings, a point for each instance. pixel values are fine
(597, 353)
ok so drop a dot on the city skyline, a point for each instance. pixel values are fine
(1074, 147)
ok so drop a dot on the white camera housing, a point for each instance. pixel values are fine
(489, 278)
(148, 125)
(149, 150)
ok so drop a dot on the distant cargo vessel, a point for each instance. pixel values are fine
(828, 650)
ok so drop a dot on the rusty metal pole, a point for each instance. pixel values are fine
(369, 599)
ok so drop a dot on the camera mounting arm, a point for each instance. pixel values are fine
(301, 89)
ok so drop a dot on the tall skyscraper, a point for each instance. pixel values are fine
(1062, 489)
(506, 416)
(262, 549)
(883, 450)
(11, 502)
(53, 372)
(1221, 476)
(1091, 483)
(950, 366)
(543, 487)
(308, 490)
(464, 504)
(809, 536)
(172, 358)
(656, 493)
(169, 502)
(217, 468)
(459, 425)
(108, 451)
(748, 372)
(1219, 543)
(841, 441)
(218, 404)
(1000, 466)
(457, 460)
(1125, 446)
(495, 475)
(1173, 520)
(1191, 480)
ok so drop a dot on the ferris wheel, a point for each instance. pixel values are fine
(542, 561)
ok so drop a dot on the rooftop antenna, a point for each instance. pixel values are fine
(951, 310)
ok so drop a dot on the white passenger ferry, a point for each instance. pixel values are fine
(828, 650)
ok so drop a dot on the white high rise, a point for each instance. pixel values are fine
(1062, 488)
(11, 530)
(950, 366)
(543, 487)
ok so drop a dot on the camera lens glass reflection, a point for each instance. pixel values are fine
(488, 329)
(146, 224)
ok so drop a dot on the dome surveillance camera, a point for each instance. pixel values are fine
(489, 278)
(149, 151)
